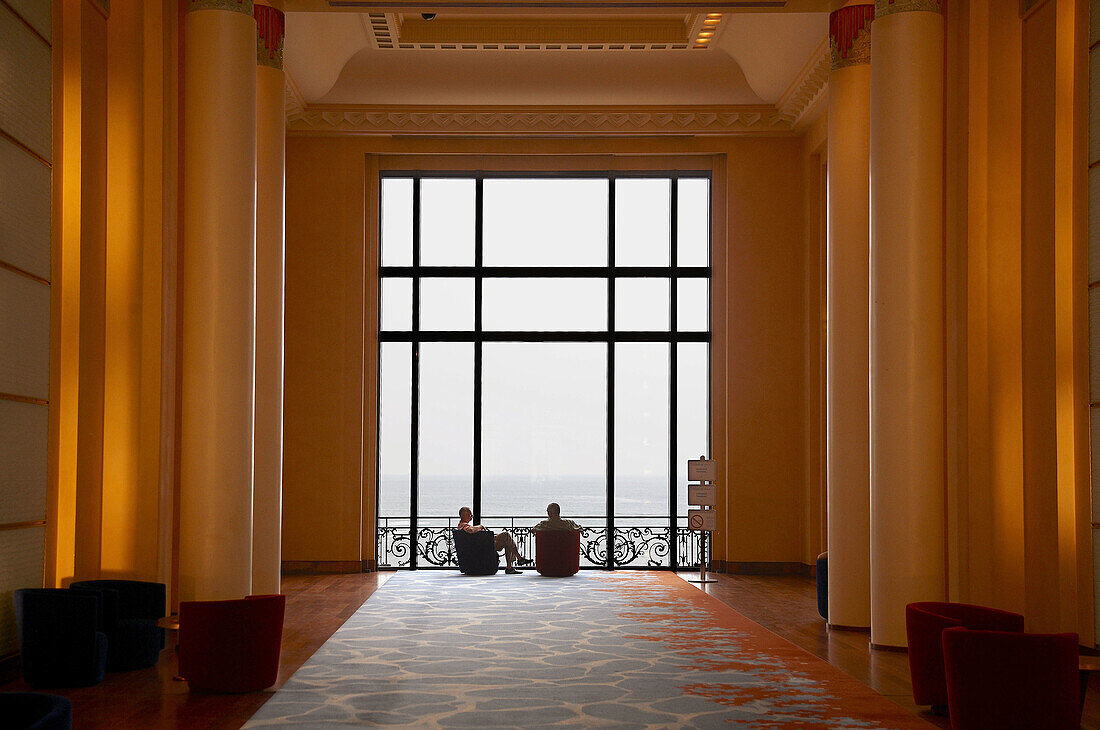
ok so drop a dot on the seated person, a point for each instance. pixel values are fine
(554, 521)
(501, 541)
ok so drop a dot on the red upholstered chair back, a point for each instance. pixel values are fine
(1011, 681)
(231, 646)
(925, 622)
(557, 552)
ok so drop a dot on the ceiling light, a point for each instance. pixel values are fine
(710, 21)
(706, 33)
(714, 15)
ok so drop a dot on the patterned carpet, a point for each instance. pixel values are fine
(622, 649)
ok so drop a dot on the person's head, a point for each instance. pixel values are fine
(553, 510)
(465, 514)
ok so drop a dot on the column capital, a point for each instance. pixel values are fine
(889, 7)
(850, 35)
(270, 32)
(236, 6)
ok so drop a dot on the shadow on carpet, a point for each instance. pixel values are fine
(622, 649)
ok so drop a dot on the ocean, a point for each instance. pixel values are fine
(523, 498)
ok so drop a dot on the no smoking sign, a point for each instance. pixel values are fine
(700, 519)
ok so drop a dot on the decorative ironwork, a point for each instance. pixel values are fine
(646, 546)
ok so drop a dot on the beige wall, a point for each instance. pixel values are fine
(331, 344)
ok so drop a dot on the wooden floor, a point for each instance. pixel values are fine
(317, 605)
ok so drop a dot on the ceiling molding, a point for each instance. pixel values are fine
(603, 121)
(807, 87)
(544, 31)
(293, 101)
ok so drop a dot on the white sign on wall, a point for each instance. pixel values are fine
(703, 495)
(702, 519)
(702, 470)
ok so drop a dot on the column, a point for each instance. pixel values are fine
(270, 172)
(217, 295)
(849, 460)
(907, 330)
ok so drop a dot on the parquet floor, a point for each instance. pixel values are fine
(317, 605)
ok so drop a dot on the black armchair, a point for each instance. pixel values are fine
(35, 711)
(477, 555)
(60, 639)
(131, 608)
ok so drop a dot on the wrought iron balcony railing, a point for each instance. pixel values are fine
(638, 542)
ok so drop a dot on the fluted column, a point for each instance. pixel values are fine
(907, 330)
(219, 233)
(270, 173)
(849, 460)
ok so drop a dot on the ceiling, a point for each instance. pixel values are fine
(630, 54)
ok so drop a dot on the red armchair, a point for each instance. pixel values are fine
(557, 552)
(231, 646)
(924, 624)
(1011, 681)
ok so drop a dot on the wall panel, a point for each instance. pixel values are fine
(25, 91)
(22, 461)
(20, 567)
(24, 336)
(24, 210)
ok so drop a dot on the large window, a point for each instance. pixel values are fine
(543, 338)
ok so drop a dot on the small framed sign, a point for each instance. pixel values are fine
(702, 470)
(703, 495)
(702, 519)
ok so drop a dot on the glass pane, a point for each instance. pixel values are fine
(395, 434)
(545, 222)
(641, 452)
(446, 431)
(394, 452)
(544, 432)
(692, 305)
(642, 222)
(544, 304)
(396, 304)
(641, 305)
(692, 409)
(447, 209)
(397, 220)
(693, 222)
(446, 304)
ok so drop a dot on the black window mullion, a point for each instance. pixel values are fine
(479, 221)
(414, 452)
(673, 506)
(610, 486)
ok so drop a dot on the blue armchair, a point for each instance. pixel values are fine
(60, 638)
(35, 711)
(476, 553)
(131, 610)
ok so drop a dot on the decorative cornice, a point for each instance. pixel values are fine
(850, 35)
(889, 7)
(609, 121)
(270, 32)
(808, 86)
(292, 100)
(236, 6)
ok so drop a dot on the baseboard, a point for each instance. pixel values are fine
(297, 567)
(10, 668)
(762, 568)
